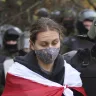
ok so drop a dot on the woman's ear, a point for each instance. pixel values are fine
(31, 45)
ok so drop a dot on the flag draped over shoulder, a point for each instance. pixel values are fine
(22, 81)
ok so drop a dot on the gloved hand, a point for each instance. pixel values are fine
(93, 51)
(81, 59)
(83, 56)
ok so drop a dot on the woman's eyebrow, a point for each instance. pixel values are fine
(47, 41)
(56, 39)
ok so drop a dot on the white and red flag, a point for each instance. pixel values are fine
(21, 81)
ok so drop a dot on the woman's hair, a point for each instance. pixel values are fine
(44, 24)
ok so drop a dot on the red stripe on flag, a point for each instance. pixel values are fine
(79, 89)
(17, 86)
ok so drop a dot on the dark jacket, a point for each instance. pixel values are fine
(57, 74)
(84, 62)
(75, 43)
(2, 77)
(4, 55)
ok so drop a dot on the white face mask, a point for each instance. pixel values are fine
(47, 55)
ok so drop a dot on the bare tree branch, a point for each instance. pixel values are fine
(28, 14)
(77, 4)
(13, 17)
(92, 4)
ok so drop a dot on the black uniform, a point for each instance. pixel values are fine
(84, 61)
(75, 43)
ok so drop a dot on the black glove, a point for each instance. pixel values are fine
(81, 59)
(93, 51)
(83, 56)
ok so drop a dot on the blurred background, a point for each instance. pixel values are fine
(22, 13)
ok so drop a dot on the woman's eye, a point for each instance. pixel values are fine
(54, 43)
(44, 44)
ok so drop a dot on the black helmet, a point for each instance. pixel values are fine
(69, 13)
(56, 15)
(42, 12)
(11, 34)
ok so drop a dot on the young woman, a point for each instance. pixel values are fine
(43, 71)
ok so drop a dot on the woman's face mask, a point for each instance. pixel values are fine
(47, 55)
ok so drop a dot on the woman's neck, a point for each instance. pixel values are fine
(46, 67)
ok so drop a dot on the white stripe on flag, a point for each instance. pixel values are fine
(72, 76)
(22, 71)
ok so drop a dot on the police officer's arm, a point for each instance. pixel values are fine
(92, 31)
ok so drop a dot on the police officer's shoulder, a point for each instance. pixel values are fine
(71, 53)
(92, 32)
(84, 35)
(67, 56)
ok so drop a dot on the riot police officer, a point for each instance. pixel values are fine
(68, 21)
(80, 41)
(85, 18)
(9, 50)
(84, 60)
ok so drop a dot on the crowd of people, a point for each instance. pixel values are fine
(56, 57)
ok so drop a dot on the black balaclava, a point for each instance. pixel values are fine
(69, 25)
(81, 29)
(11, 48)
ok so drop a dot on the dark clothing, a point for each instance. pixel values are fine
(57, 74)
(4, 55)
(83, 61)
(2, 77)
(75, 43)
(22, 52)
(8, 54)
